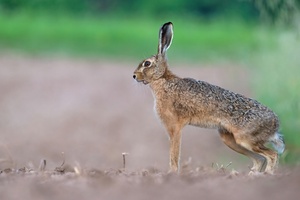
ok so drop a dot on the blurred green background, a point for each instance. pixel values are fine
(260, 34)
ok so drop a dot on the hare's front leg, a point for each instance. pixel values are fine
(175, 144)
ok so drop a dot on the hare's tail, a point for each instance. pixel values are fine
(278, 142)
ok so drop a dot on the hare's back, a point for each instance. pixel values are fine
(224, 103)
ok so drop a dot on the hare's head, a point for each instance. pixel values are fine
(154, 67)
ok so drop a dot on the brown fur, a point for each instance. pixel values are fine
(244, 124)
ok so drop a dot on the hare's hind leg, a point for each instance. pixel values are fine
(271, 156)
(259, 161)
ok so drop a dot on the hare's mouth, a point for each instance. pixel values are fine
(140, 80)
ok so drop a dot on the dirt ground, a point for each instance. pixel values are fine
(81, 115)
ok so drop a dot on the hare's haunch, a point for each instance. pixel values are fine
(244, 124)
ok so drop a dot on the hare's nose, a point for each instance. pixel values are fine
(134, 76)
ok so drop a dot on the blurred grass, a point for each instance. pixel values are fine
(277, 84)
(273, 55)
(118, 37)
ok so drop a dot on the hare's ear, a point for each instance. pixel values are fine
(165, 38)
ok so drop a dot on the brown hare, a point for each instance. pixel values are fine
(244, 124)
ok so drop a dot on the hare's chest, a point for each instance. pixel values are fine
(165, 110)
(161, 108)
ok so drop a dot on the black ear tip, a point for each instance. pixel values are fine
(168, 24)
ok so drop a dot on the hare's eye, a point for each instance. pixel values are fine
(147, 63)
